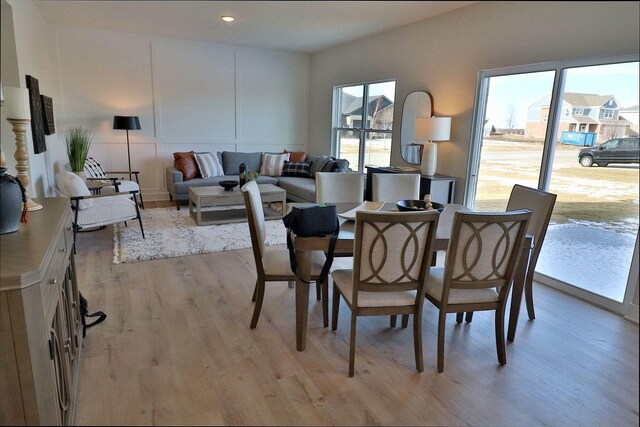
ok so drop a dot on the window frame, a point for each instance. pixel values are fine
(362, 131)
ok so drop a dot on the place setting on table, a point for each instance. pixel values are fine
(303, 247)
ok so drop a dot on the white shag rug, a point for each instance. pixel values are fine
(172, 233)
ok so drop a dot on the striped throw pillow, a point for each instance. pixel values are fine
(93, 169)
(272, 164)
(209, 165)
(298, 169)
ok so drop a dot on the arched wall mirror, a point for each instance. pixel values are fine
(416, 104)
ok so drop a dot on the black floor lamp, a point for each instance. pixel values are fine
(127, 123)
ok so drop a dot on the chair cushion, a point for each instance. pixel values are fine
(186, 163)
(296, 156)
(71, 185)
(457, 296)
(344, 280)
(209, 165)
(276, 263)
(302, 188)
(107, 210)
(272, 164)
(299, 169)
(124, 187)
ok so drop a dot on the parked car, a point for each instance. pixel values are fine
(617, 150)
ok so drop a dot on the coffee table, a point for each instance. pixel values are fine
(203, 202)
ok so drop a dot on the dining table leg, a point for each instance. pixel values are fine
(518, 288)
(303, 259)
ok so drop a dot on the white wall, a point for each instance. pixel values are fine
(188, 95)
(32, 45)
(444, 54)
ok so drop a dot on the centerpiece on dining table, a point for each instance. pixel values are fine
(419, 205)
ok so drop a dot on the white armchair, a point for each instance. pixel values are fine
(112, 185)
(91, 211)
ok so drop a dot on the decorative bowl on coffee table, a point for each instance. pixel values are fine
(228, 185)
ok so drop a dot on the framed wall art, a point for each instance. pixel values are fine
(47, 115)
(37, 121)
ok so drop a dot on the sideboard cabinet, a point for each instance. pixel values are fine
(40, 324)
(440, 187)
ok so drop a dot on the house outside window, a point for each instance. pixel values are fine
(608, 113)
(362, 130)
(578, 112)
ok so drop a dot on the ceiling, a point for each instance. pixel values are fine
(299, 26)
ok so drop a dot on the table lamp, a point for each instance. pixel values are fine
(427, 130)
(127, 123)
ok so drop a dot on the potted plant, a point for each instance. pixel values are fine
(247, 176)
(78, 141)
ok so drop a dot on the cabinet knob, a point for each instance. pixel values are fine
(53, 281)
(67, 345)
(63, 249)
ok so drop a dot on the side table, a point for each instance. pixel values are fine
(440, 187)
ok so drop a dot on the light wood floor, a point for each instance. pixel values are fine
(176, 348)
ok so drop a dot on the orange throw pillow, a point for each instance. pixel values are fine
(186, 163)
(296, 156)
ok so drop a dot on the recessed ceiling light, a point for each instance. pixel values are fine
(228, 18)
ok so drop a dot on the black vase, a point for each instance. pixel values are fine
(10, 203)
(242, 174)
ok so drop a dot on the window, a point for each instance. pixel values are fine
(578, 111)
(607, 113)
(362, 130)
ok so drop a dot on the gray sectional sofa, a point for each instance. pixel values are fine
(298, 189)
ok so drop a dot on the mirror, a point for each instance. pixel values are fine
(416, 104)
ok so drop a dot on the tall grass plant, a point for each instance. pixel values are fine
(78, 141)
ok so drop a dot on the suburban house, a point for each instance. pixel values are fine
(189, 102)
(580, 112)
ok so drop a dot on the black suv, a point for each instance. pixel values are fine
(618, 150)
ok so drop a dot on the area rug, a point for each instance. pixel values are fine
(172, 233)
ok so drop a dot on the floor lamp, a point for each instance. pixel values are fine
(127, 123)
(17, 114)
(428, 130)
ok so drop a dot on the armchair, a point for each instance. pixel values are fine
(112, 185)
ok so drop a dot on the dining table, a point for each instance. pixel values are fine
(304, 246)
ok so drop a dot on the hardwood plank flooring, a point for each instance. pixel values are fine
(176, 348)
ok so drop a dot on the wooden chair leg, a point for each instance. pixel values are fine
(325, 303)
(335, 305)
(258, 306)
(459, 318)
(405, 320)
(441, 323)
(528, 294)
(177, 205)
(417, 341)
(255, 291)
(352, 345)
(500, 343)
(318, 291)
(392, 320)
(468, 317)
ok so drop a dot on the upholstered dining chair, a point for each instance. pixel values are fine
(111, 184)
(94, 211)
(541, 204)
(339, 187)
(272, 265)
(481, 261)
(391, 187)
(390, 264)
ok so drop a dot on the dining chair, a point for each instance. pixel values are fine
(391, 187)
(480, 265)
(272, 265)
(390, 264)
(541, 204)
(339, 187)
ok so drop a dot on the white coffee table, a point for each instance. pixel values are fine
(204, 201)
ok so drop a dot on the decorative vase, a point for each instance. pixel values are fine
(81, 174)
(242, 174)
(10, 203)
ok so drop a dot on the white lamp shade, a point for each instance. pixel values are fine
(432, 129)
(16, 104)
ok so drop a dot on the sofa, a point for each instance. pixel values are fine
(298, 189)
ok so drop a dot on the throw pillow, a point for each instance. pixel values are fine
(186, 163)
(71, 185)
(320, 165)
(342, 165)
(328, 166)
(296, 156)
(272, 164)
(93, 169)
(297, 169)
(209, 165)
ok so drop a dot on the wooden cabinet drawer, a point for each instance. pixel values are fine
(54, 274)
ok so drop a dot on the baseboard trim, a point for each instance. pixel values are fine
(632, 313)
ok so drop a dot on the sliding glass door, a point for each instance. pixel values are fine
(534, 126)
